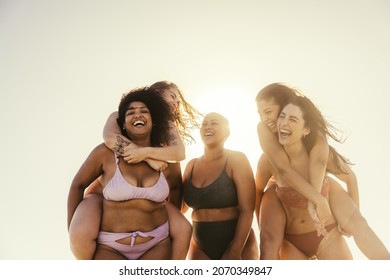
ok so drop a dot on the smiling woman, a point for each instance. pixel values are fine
(239, 107)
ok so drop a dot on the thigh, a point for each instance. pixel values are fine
(251, 248)
(272, 214)
(334, 248)
(290, 252)
(87, 217)
(341, 204)
(104, 252)
(178, 223)
(162, 251)
(196, 253)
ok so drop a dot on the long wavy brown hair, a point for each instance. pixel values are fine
(186, 117)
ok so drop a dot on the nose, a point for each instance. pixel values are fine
(282, 121)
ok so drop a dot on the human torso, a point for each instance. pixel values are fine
(294, 203)
(210, 191)
(134, 196)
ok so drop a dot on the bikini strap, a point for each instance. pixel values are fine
(116, 158)
(192, 168)
(227, 158)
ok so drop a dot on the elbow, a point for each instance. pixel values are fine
(181, 155)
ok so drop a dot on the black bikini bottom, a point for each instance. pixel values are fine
(214, 237)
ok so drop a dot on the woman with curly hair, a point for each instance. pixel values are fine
(85, 230)
(134, 220)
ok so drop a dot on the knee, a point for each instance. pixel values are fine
(355, 223)
(268, 237)
(79, 238)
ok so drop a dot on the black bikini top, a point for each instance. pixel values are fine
(221, 193)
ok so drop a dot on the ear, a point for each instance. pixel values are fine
(306, 131)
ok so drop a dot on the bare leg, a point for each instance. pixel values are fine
(180, 231)
(104, 252)
(334, 247)
(251, 249)
(195, 253)
(272, 225)
(351, 220)
(290, 252)
(162, 251)
(84, 227)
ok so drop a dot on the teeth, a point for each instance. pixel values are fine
(139, 123)
(208, 134)
(284, 131)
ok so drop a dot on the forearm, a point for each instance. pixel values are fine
(295, 180)
(243, 228)
(112, 135)
(174, 153)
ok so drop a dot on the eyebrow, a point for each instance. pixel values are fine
(135, 107)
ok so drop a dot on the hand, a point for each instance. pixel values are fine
(157, 164)
(134, 154)
(319, 225)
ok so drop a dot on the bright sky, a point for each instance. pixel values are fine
(65, 64)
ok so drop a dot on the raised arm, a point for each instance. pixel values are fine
(174, 151)
(113, 137)
(280, 162)
(243, 178)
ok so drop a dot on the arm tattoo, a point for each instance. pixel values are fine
(120, 145)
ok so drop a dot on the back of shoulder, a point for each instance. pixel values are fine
(102, 149)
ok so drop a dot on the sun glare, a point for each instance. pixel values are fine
(239, 107)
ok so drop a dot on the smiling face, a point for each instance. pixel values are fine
(171, 96)
(214, 129)
(138, 121)
(291, 125)
(268, 111)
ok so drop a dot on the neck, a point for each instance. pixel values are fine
(213, 153)
(296, 150)
(141, 142)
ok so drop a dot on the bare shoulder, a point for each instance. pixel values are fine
(236, 156)
(263, 162)
(102, 150)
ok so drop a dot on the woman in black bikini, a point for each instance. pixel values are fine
(219, 186)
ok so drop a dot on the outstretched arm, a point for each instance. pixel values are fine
(113, 138)
(279, 160)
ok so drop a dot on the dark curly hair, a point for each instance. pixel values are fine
(158, 108)
(186, 117)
